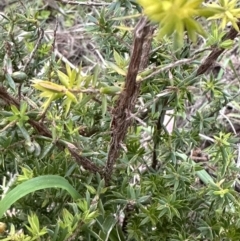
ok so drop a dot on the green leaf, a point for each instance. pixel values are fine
(46, 150)
(117, 69)
(117, 234)
(205, 177)
(10, 81)
(23, 108)
(107, 227)
(64, 79)
(24, 132)
(91, 189)
(71, 96)
(35, 227)
(32, 185)
(94, 78)
(104, 104)
(15, 110)
(110, 90)
(118, 59)
(69, 71)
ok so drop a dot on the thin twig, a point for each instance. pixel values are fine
(40, 37)
(89, 3)
(230, 123)
(52, 50)
(9, 125)
(169, 66)
(134, 116)
(201, 51)
(95, 50)
(44, 131)
(238, 159)
(64, 59)
(216, 52)
(87, 91)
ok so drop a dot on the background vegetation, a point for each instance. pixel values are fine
(113, 127)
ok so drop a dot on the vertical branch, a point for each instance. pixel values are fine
(52, 59)
(156, 136)
(121, 113)
(40, 37)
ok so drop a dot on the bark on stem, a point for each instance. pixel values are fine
(121, 114)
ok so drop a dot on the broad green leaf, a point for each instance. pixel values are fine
(205, 177)
(32, 185)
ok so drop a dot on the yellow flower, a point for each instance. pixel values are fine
(227, 11)
(175, 16)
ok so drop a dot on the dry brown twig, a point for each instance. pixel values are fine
(216, 52)
(89, 3)
(43, 130)
(169, 66)
(127, 99)
(52, 50)
(206, 65)
(40, 37)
